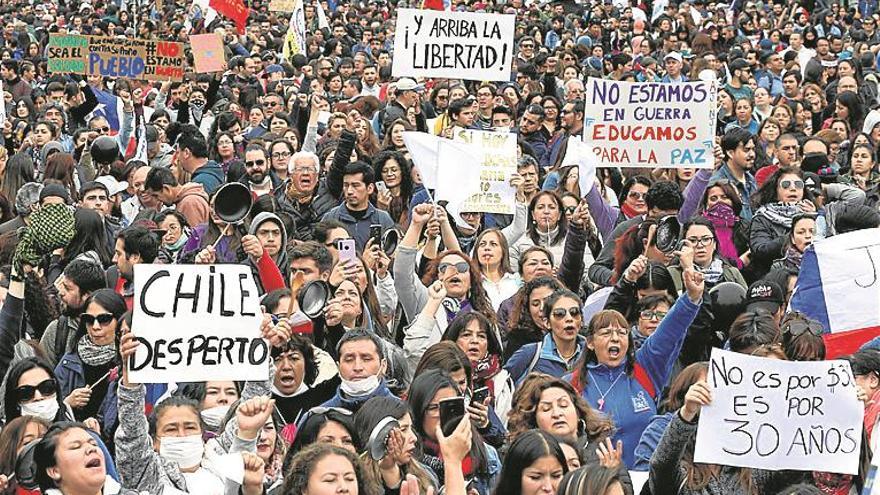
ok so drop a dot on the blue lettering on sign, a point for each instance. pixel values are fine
(127, 67)
(687, 156)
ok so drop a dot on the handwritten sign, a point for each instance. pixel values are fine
(208, 54)
(498, 162)
(771, 414)
(116, 57)
(197, 323)
(282, 5)
(458, 45)
(650, 124)
(295, 38)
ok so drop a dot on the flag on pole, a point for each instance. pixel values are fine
(233, 9)
(110, 107)
(295, 39)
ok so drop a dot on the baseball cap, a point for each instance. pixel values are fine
(113, 186)
(765, 295)
(406, 84)
(673, 55)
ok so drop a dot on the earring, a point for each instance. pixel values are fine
(582, 427)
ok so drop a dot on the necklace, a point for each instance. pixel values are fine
(601, 401)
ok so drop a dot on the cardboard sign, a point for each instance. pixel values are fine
(772, 414)
(457, 45)
(282, 5)
(650, 124)
(497, 152)
(208, 53)
(197, 323)
(116, 57)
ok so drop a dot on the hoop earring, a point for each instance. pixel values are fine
(582, 427)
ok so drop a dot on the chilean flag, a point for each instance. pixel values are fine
(839, 286)
(109, 107)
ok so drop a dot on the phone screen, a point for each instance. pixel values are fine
(451, 413)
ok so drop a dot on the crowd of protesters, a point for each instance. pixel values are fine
(98, 175)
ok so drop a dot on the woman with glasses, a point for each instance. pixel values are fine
(624, 383)
(551, 113)
(699, 234)
(561, 347)
(86, 376)
(649, 312)
(776, 204)
(32, 390)
(631, 200)
(177, 232)
(394, 171)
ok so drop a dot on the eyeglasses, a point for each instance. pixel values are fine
(606, 333)
(636, 195)
(281, 154)
(652, 314)
(797, 327)
(103, 319)
(102, 130)
(461, 267)
(798, 184)
(255, 163)
(46, 387)
(559, 313)
(700, 241)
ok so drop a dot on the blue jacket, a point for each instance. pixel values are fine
(549, 362)
(210, 176)
(355, 403)
(650, 440)
(630, 398)
(71, 376)
(359, 230)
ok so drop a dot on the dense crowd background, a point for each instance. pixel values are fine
(99, 175)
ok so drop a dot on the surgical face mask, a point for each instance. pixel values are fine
(214, 416)
(186, 451)
(360, 388)
(46, 409)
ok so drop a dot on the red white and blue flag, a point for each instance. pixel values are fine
(109, 107)
(839, 286)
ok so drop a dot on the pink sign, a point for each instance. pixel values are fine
(208, 53)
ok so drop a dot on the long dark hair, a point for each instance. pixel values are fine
(766, 194)
(461, 321)
(110, 301)
(562, 225)
(477, 294)
(90, 235)
(523, 452)
(307, 433)
(11, 407)
(399, 204)
(520, 317)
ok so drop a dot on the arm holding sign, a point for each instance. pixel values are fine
(603, 214)
(666, 467)
(693, 193)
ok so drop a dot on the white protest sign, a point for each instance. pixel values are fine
(492, 193)
(197, 323)
(772, 414)
(458, 159)
(650, 124)
(579, 154)
(424, 149)
(456, 45)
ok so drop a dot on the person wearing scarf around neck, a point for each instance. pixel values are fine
(455, 286)
(87, 376)
(624, 383)
(473, 334)
(699, 234)
(481, 465)
(800, 237)
(722, 206)
(781, 198)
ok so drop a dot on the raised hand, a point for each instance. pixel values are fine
(252, 414)
(696, 397)
(254, 473)
(636, 269)
(610, 455)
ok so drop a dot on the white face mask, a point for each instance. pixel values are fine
(46, 409)
(186, 451)
(214, 416)
(360, 388)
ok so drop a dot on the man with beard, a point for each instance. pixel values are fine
(133, 245)
(81, 277)
(738, 85)
(306, 199)
(356, 212)
(256, 170)
(738, 147)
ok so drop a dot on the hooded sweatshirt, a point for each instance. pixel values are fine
(192, 203)
(210, 175)
(281, 260)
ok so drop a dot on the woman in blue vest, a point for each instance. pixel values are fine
(624, 383)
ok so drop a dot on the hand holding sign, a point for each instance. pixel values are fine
(696, 397)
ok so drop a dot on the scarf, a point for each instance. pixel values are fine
(628, 211)
(832, 483)
(712, 273)
(793, 257)
(724, 219)
(779, 213)
(93, 354)
(484, 370)
(435, 462)
(449, 305)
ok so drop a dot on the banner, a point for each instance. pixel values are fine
(497, 152)
(197, 323)
(842, 264)
(233, 9)
(772, 414)
(424, 149)
(282, 5)
(208, 53)
(295, 38)
(650, 124)
(116, 57)
(456, 45)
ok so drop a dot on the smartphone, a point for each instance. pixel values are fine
(480, 395)
(288, 82)
(346, 248)
(376, 234)
(381, 187)
(451, 413)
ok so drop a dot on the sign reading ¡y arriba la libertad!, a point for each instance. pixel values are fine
(198, 323)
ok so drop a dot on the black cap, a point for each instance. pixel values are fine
(56, 190)
(766, 295)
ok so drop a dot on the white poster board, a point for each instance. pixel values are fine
(772, 414)
(455, 45)
(197, 323)
(497, 151)
(651, 125)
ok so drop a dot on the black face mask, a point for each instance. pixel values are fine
(813, 162)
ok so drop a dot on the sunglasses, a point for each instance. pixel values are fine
(570, 209)
(636, 195)
(102, 130)
(798, 327)
(461, 267)
(798, 184)
(560, 313)
(46, 387)
(102, 319)
(255, 163)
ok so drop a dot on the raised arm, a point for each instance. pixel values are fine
(10, 320)
(412, 293)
